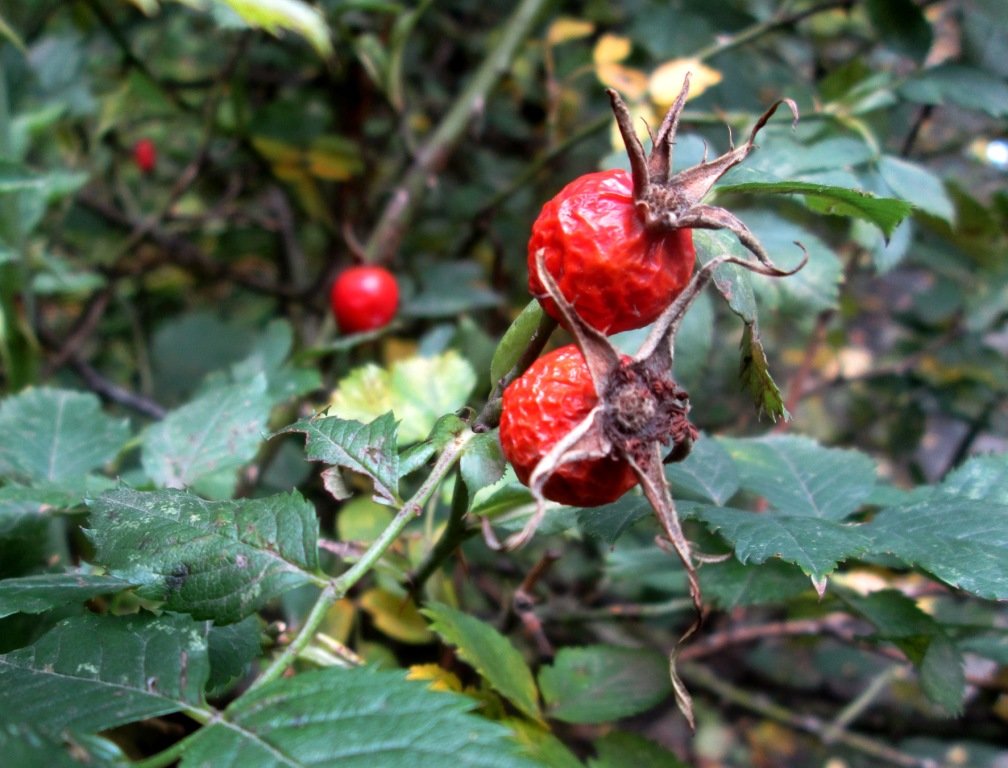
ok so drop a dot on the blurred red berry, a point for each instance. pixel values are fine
(145, 155)
(364, 298)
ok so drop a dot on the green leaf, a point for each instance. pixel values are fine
(203, 444)
(25, 517)
(231, 650)
(895, 616)
(489, 653)
(957, 85)
(220, 560)
(25, 745)
(91, 672)
(515, 340)
(813, 544)
(754, 372)
(942, 676)
(883, 212)
(918, 186)
(730, 584)
(708, 473)
(7, 31)
(800, 477)
(418, 390)
(599, 683)
(50, 187)
(734, 282)
(982, 478)
(958, 540)
(56, 435)
(274, 16)
(366, 448)
(542, 746)
(448, 289)
(268, 357)
(352, 718)
(36, 594)
(483, 462)
(610, 521)
(620, 749)
(901, 25)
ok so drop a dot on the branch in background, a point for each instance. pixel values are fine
(405, 199)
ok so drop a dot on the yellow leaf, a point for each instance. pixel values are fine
(611, 48)
(667, 80)
(631, 83)
(362, 519)
(339, 620)
(566, 28)
(396, 616)
(643, 115)
(440, 678)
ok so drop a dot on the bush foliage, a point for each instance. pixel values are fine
(230, 534)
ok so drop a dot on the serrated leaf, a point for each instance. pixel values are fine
(800, 477)
(599, 683)
(231, 650)
(611, 521)
(754, 373)
(730, 584)
(883, 212)
(982, 478)
(366, 448)
(203, 444)
(25, 745)
(93, 672)
(515, 340)
(815, 545)
(483, 462)
(734, 282)
(352, 718)
(36, 594)
(56, 435)
(958, 540)
(960, 86)
(918, 186)
(489, 653)
(620, 749)
(275, 16)
(220, 560)
(942, 676)
(708, 473)
(418, 391)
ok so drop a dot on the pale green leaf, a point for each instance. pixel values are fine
(418, 391)
(960, 86)
(600, 683)
(800, 477)
(203, 444)
(483, 462)
(275, 16)
(490, 653)
(93, 672)
(982, 478)
(352, 718)
(942, 675)
(56, 435)
(220, 560)
(918, 186)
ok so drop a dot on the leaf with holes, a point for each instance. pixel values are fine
(91, 673)
(366, 448)
(220, 560)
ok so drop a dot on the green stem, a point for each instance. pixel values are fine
(342, 584)
(431, 157)
(455, 533)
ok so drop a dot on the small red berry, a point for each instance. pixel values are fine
(539, 408)
(145, 155)
(617, 273)
(364, 298)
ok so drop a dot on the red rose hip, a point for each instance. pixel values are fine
(364, 298)
(539, 408)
